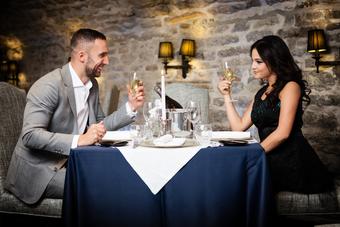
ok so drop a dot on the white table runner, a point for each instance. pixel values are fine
(156, 166)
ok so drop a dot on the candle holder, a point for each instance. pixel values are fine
(165, 127)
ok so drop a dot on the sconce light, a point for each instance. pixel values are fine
(317, 44)
(187, 50)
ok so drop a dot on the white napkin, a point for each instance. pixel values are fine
(117, 135)
(168, 141)
(156, 166)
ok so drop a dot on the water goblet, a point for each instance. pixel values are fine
(203, 134)
(193, 112)
(137, 134)
(152, 114)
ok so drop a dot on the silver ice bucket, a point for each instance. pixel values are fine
(180, 126)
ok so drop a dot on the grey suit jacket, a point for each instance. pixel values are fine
(50, 121)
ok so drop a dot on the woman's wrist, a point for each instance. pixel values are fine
(227, 98)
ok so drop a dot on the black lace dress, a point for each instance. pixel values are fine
(294, 165)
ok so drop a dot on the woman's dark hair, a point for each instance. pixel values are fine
(276, 55)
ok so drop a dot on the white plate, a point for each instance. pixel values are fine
(230, 135)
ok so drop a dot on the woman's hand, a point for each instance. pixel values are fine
(224, 86)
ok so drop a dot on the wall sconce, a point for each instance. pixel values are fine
(9, 71)
(187, 50)
(317, 44)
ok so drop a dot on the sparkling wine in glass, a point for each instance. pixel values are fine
(228, 73)
(135, 82)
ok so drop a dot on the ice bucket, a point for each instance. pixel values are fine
(180, 127)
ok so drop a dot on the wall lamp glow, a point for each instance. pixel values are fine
(187, 50)
(316, 45)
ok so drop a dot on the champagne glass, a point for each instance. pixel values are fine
(229, 75)
(135, 82)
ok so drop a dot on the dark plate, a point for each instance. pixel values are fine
(233, 142)
(108, 143)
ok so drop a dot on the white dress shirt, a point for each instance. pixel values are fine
(81, 93)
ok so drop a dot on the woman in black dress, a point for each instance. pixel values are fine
(276, 111)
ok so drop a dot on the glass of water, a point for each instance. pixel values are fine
(203, 134)
(137, 134)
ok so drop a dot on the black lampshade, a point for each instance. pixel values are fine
(165, 50)
(188, 48)
(316, 41)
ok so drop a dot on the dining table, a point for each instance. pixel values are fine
(148, 186)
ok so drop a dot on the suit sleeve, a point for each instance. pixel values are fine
(42, 100)
(118, 119)
(113, 121)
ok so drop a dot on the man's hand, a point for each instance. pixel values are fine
(136, 100)
(94, 134)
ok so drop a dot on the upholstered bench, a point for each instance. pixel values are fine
(314, 209)
(12, 104)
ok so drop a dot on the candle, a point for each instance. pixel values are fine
(226, 65)
(163, 96)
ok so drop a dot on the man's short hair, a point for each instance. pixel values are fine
(85, 35)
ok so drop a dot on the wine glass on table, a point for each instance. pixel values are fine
(203, 133)
(193, 112)
(137, 134)
(151, 113)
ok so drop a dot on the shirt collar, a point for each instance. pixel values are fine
(76, 82)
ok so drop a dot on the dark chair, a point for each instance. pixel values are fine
(12, 104)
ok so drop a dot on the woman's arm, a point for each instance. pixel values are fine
(289, 97)
(237, 123)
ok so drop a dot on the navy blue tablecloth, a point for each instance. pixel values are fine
(221, 186)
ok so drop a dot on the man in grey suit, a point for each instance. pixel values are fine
(63, 112)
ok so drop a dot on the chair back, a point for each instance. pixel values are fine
(12, 105)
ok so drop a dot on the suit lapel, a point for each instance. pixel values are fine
(66, 76)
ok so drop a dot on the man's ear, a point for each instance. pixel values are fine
(82, 55)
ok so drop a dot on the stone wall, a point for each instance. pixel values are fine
(223, 30)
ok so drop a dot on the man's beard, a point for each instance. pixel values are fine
(93, 72)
